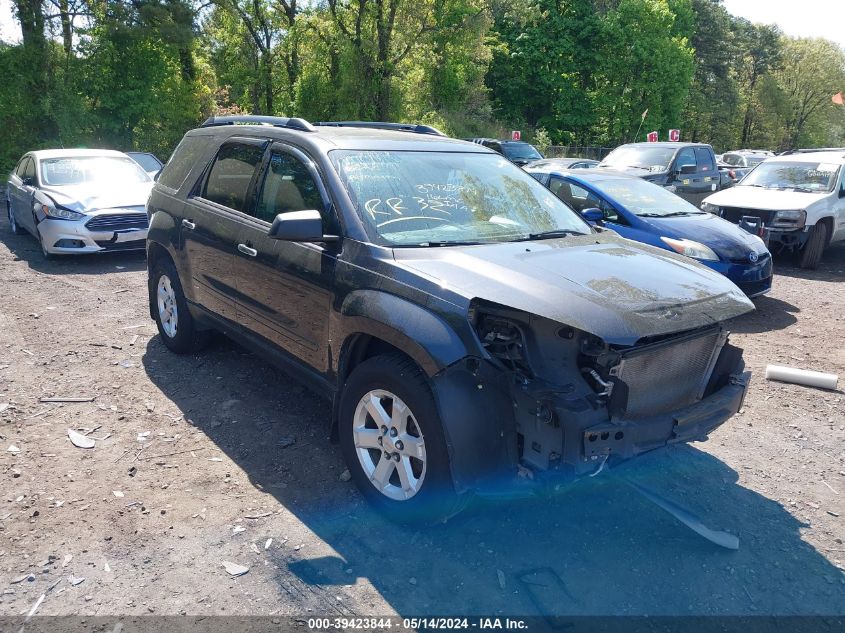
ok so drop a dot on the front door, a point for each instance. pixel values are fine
(284, 291)
(697, 185)
(212, 222)
(21, 191)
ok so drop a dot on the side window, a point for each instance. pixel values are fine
(705, 160)
(231, 174)
(685, 157)
(731, 159)
(187, 154)
(29, 170)
(19, 170)
(288, 186)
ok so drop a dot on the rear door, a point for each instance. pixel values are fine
(213, 220)
(284, 288)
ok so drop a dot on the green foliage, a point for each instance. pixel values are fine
(138, 73)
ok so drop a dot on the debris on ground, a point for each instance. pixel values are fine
(267, 544)
(257, 516)
(345, 475)
(501, 575)
(75, 580)
(802, 377)
(68, 399)
(79, 440)
(14, 450)
(234, 569)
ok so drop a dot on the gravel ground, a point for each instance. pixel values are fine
(194, 466)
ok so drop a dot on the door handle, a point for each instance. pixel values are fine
(189, 225)
(246, 250)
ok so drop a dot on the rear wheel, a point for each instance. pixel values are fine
(811, 255)
(393, 441)
(173, 319)
(13, 225)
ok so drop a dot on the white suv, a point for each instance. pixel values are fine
(799, 197)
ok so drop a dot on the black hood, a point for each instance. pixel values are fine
(618, 290)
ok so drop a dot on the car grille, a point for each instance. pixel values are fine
(118, 222)
(668, 375)
(761, 259)
(734, 214)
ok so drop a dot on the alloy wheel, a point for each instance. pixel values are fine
(168, 313)
(389, 445)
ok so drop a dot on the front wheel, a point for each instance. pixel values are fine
(393, 441)
(174, 321)
(811, 256)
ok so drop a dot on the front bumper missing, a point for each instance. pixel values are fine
(628, 438)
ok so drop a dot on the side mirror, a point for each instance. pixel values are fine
(300, 226)
(687, 169)
(29, 181)
(593, 215)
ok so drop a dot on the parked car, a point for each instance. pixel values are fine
(799, 198)
(463, 321)
(645, 212)
(564, 163)
(148, 162)
(518, 152)
(746, 158)
(687, 169)
(76, 201)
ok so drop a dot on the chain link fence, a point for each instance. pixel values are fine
(593, 152)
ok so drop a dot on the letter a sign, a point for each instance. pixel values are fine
(652, 137)
(674, 135)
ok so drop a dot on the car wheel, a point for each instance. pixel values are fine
(44, 252)
(175, 323)
(811, 255)
(13, 225)
(393, 442)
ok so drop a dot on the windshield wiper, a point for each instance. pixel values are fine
(545, 235)
(450, 243)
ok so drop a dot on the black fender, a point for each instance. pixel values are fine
(471, 394)
(161, 242)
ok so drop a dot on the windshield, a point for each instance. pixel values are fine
(651, 158)
(753, 161)
(798, 175)
(520, 151)
(424, 198)
(77, 170)
(646, 199)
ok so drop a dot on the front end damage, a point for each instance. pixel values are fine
(553, 401)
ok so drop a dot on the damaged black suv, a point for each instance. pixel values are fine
(465, 323)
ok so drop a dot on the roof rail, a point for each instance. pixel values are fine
(416, 128)
(253, 119)
(811, 150)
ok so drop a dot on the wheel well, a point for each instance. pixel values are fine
(358, 348)
(829, 221)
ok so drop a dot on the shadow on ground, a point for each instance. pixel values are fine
(25, 248)
(832, 268)
(599, 548)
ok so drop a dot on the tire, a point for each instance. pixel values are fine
(174, 321)
(44, 252)
(426, 493)
(811, 255)
(13, 225)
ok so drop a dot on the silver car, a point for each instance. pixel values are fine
(77, 201)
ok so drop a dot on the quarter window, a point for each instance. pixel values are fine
(231, 175)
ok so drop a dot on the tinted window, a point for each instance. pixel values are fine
(231, 174)
(22, 166)
(187, 154)
(704, 158)
(288, 186)
(732, 159)
(29, 169)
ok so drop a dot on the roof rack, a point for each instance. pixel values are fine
(292, 123)
(416, 128)
(811, 150)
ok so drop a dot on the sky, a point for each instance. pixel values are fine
(799, 18)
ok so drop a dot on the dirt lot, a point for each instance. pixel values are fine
(192, 447)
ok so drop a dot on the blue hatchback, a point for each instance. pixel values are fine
(648, 213)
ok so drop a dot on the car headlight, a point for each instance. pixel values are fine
(710, 208)
(60, 213)
(692, 249)
(790, 219)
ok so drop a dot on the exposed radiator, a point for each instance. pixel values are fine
(669, 375)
